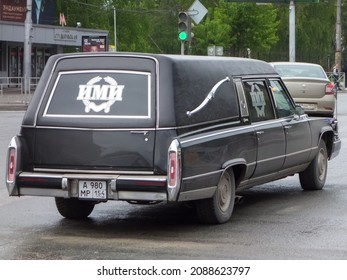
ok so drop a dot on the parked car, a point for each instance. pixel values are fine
(309, 86)
(148, 128)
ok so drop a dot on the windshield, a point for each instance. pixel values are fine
(300, 70)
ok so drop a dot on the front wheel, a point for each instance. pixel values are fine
(72, 208)
(314, 176)
(218, 209)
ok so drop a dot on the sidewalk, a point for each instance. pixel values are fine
(13, 100)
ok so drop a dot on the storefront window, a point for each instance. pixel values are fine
(2, 57)
(13, 64)
(39, 62)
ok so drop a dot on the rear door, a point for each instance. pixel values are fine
(269, 131)
(98, 112)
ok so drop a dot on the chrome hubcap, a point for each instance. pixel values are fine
(224, 193)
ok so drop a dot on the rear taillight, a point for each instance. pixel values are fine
(172, 168)
(329, 89)
(11, 165)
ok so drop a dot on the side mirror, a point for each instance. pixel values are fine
(299, 111)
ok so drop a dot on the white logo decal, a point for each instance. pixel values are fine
(258, 100)
(108, 93)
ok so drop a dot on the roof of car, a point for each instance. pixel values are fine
(235, 65)
(293, 63)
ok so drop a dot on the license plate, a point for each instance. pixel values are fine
(96, 190)
(307, 106)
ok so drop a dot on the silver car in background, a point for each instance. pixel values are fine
(309, 86)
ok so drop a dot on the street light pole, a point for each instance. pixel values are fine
(27, 48)
(115, 27)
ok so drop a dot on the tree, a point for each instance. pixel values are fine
(231, 26)
(151, 26)
(315, 32)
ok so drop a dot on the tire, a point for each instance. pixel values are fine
(314, 176)
(218, 209)
(73, 208)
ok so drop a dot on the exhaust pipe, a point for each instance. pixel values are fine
(239, 199)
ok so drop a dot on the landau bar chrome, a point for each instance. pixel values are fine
(209, 96)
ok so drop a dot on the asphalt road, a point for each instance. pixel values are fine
(276, 221)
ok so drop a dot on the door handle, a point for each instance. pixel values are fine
(143, 132)
(259, 132)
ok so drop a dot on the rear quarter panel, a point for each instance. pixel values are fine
(204, 156)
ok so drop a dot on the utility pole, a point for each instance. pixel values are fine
(27, 48)
(292, 31)
(338, 35)
(115, 27)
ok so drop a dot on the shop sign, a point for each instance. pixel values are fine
(12, 10)
(65, 35)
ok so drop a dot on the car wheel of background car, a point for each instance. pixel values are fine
(218, 209)
(73, 208)
(313, 178)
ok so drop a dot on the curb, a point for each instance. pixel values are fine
(13, 107)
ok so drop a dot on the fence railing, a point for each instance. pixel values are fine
(341, 80)
(17, 83)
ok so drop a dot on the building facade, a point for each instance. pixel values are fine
(46, 39)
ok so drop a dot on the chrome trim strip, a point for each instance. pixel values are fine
(157, 91)
(215, 134)
(44, 192)
(145, 196)
(65, 176)
(271, 158)
(202, 175)
(122, 195)
(159, 178)
(74, 171)
(95, 129)
(302, 151)
(41, 175)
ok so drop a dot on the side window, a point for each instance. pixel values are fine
(258, 100)
(283, 104)
(242, 98)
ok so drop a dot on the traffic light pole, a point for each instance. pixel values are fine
(184, 29)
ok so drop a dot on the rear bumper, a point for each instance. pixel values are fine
(335, 148)
(318, 106)
(119, 187)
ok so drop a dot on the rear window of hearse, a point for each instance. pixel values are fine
(101, 94)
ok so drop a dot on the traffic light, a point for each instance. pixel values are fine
(184, 27)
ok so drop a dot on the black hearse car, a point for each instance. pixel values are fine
(163, 128)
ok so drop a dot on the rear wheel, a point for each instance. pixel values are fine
(218, 209)
(314, 176)
(73, 208)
